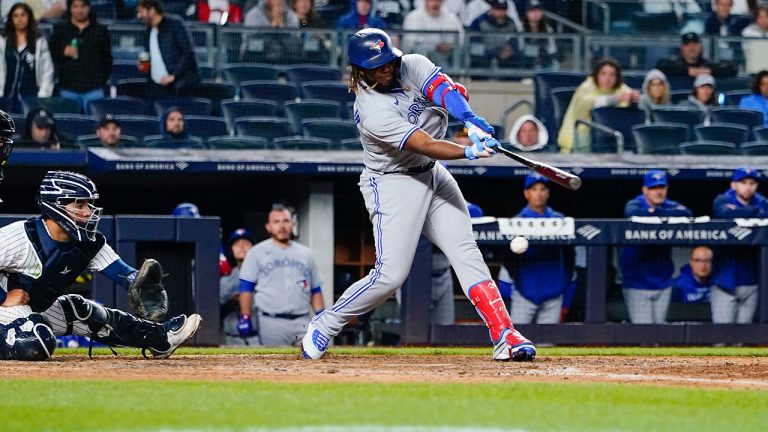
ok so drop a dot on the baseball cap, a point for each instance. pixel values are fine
(703, 79)
(475, 211)
(533, 4)
(500, 4)
(534, 178)
(655, 178)
(741, 173)
(42, 119)
(690, 37)
(240, 233)
(107, 120)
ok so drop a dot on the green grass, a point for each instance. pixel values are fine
(59, 405)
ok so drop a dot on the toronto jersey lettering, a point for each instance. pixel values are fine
(284, 277)
(379, 117)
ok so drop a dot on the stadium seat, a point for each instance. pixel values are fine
(333, 129)
(127, 54)
(270, 90)
(303, 73)
(746, 117)
(660, 138)
(92, 140)
(677, 96)
(737, 83)
(124, 69)
(207, 72)
(634, 80)
(103, 9)
(215, 92)
(675, 114)
(237, 143)
(115, 106)
(328, 90)
(733, 97)
(162, 142)
(56, 105)
(136, 87)
(544, 82)
(348, 144)
(310, 108)
(236, 73)
(710, 148)
(232, 110)
(618, 119)
(643, 22)
(265, 127)
(188, 106)
(138, 126)
(561, 98)
(680, 82)
(761, 133)
(71, 126)
(728, 132)
(754, 148)
(206, 126)
(301, 143)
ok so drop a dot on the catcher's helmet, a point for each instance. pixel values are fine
(60, 188)
(186, 210)
(370, 48)
(7, 128)
(29, 338)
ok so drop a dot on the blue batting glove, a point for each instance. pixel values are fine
(482, 149)
(473, 120)
(244, 326)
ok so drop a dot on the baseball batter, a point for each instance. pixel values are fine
(401, 111)
(280, 276)
(41, 257)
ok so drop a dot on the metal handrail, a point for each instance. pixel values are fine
(602, 128)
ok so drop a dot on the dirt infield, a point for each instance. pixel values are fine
(711, 372)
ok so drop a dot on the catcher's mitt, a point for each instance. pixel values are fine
(146, 294)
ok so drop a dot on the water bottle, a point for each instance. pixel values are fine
(75, 44)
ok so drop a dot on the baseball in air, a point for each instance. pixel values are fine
(519, 245)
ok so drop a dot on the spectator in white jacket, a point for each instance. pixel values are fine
(437, 47)
(26, 71)
(755, 50)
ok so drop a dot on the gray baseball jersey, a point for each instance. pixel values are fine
(285, 277)
(403, 206)
(387, 120)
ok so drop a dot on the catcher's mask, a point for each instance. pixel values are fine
(58, 191)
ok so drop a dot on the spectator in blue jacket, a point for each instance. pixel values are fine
(647, 270)
(362, 14)
(758, 100)
(539, 278)
(694, 283)
(720, 22)
(734, 296)
(173, 68)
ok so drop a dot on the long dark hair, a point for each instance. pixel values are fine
(33, 33)
(755, 87)
(608, 61)
(91, 15)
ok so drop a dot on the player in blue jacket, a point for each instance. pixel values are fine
(694, 283)
(734, 296)
(647, 270)
(539, 278)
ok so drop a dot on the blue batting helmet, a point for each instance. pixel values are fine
(60, 188)
(370, 48)
(186, 210)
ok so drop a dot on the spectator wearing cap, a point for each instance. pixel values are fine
(647, 270)
(40, 130)
(758, 100)
(528, 134)
(108, 132)
(475, 8)
(240, 241)
(82, 54)
(735, 294)
(702, 96)
(691, 63)
(433, 17)
(497, 44)
(540, 279)
(539, 53)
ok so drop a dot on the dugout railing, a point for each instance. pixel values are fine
(186, 247)
(598, 237)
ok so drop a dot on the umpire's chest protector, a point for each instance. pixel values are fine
(62, 264)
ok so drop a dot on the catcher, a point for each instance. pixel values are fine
(41, 257)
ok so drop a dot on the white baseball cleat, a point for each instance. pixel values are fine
(314, 343)
(180, 330)
(513, 346)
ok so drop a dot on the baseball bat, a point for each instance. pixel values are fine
(567, 180)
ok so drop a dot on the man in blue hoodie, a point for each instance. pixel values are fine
(647, 270)
(362, 14)
(539, 278)
(734, 296)
(694, 283)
